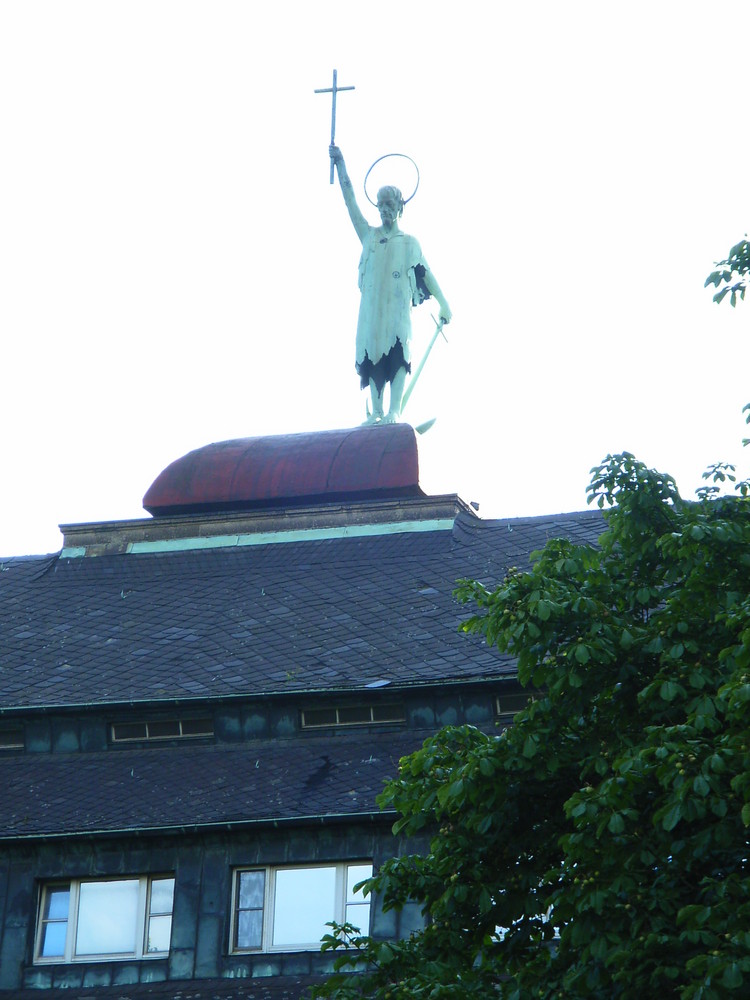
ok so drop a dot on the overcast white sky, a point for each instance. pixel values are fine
(175, 268)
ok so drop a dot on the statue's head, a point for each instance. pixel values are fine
(391, 199)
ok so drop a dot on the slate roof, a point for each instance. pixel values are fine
(162, 788)
(261, 621)
(335, 614)
(272, 988)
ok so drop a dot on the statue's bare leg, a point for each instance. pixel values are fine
(377, 404)
(397, 392)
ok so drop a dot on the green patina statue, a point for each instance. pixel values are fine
(393, 277)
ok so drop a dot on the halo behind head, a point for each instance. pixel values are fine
(403, 200)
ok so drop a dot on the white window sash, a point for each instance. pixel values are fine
(340, 905)
(70, 955)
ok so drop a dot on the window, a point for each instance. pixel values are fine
(84, 920)
(351, 715)
(507, 705)
(287, 909)
(161, 729)
(11, 738)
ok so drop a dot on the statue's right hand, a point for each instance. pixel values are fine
(335, 153)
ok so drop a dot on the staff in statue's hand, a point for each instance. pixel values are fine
(393, 277)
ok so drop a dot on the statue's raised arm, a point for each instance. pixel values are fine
(358, 220)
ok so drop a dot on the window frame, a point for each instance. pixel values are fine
(143, 917)
(341, 904)
(509, 703)
(12, 738)
(398, 716)
(147, 737)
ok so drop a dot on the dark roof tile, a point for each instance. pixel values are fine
(259, 620)
(272, 988)
(146, 788)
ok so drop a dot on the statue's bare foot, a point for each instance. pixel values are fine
(372, 418)
(390, 418)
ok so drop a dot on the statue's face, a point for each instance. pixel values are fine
(389, 209)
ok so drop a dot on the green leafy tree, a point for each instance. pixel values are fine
(733, 273)
(598, 847)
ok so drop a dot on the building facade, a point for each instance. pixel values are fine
(198, 710)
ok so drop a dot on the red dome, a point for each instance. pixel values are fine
(251, 472)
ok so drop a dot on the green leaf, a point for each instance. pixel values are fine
(486, 767)
(732, 977)
(701, 786)
(616, 823)
(672, 817)
(669, 690)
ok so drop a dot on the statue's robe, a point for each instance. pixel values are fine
(391, 280)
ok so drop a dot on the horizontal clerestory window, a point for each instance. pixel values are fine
(287, 909)
(352, 715)
(11, 738)
(507, 705)
(85, 920)
(161, 729)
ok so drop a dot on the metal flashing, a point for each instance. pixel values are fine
(73, 552)
(274, 537)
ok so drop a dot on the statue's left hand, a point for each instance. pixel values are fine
(446, 315)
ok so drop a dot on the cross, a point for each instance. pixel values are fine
(333, 91)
